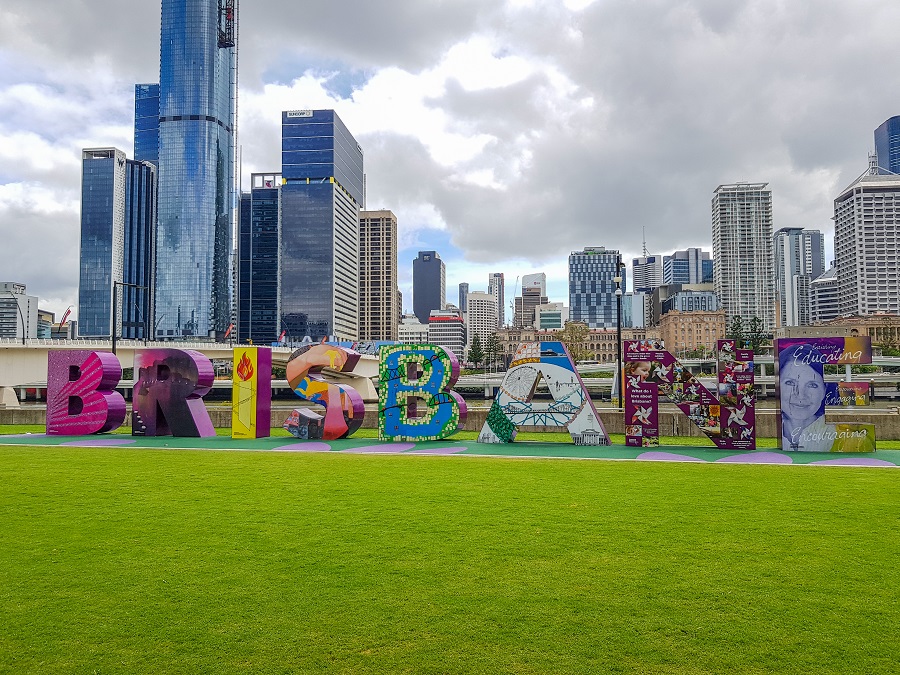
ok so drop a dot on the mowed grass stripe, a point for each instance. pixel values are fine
(119, 560)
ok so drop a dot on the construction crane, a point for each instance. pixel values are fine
(512, 303)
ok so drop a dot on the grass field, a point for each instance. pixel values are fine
(144, 561)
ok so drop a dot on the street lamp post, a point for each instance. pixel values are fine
(619, 364)
(115, 306)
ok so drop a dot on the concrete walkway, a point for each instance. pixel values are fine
(525, 449)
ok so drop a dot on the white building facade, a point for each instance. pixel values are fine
(799, 257)
(867, 246)
(742, 249)
(481, 317)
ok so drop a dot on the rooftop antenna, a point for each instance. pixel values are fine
(644, 230)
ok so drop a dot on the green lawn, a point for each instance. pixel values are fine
(144, 561)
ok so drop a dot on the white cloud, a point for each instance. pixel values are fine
(517, 130)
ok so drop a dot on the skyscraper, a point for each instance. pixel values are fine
(799, 257)
(495, 288)
(534, 293)
(139, 256)
(378, 295)
(887, 145)
(647, 272)
(824, 301)
(592, 286)
(481, 318)
(463, 297)
(258, 268)
(867, 245)
(197, 90)
(429, 280)
(742, 248)
(118, 201)
(526, 306)
(146, 123)
(691, 266)
(322, 169)
(538, 281)
(102, 238)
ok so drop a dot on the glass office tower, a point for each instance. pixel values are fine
(592, 287)
(146, 123)
(118, 218)
(887, 146)
(322, 171)
(102, 238)
(257, 290)
(197, 88)
(139, 259)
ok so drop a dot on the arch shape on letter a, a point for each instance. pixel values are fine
(571, 407)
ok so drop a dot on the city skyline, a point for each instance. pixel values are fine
(461, 110)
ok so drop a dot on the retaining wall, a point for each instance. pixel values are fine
(671, 423)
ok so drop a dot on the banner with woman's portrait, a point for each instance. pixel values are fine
(803, 394)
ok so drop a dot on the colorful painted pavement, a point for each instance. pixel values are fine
(526, 449)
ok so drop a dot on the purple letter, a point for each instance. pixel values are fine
(168, 393)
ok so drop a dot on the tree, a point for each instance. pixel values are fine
(492, 349)
(575, 336)
(756, 335)
(476, 353)
(736, 331)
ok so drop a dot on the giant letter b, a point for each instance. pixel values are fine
(81, 396)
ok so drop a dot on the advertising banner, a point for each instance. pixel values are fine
(803, 394)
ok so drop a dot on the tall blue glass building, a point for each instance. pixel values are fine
(146, 123)
(118, 201)
(321, 196)
(102, 238)
(197, 88)
(257, 291)
(592, 289)
(887, 145)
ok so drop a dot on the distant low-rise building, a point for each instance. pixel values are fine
(18, 311)
(412, 331)
(550, 316)
(447, 329)
(600, 344)
(689, 331)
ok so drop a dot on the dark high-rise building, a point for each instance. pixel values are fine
(146, 123)
(322, 194)
(118, 199)
(887, 145)
(592, 286)
(197, 90)
(257, 283)
(139, 259)
(464, 297)
(429, 285)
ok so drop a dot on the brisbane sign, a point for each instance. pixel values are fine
(416, 400)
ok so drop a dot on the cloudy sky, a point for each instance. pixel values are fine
(503, 134)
